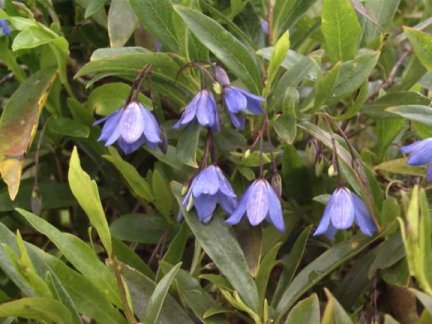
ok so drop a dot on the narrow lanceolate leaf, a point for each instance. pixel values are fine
(121, 22)
(86, 192)
(18, 125)
(223, 45)
(157, 298)
(37, 308)
(422, 45)
(419, 113)
(278, 55)
(341, 29)
(221, 246)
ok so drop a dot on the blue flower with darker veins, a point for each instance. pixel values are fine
(344, 208)
(202, 108)
(238, 101)
(209, 188)
(420, 153)
(259, 202)
(4, 26)
(130, 127)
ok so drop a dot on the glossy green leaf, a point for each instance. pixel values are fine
(305, 311)
(79, 254)
(321, 267)
(224, 46)
(157, 298)
(163, 198)
(334, 312)
(68, 127)
(218, 242)
(187, 145)
(341, 29)
(265, 267)
(121, 22)
(422, 45)
(422, 114)
(278, 55)
(37, 308)
(139, 186)
(86, 192)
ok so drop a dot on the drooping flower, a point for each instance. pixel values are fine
(344, 208)
(4, 26)
(264, 26)
(259, 202)
(209, 188)
(202, 108)
(420, 153)
(130, 127)
(238, 101)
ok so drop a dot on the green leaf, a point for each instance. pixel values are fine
(157, 298)
(291, 264)
(139, 228)
(25, 105)
(93, 7)
(139, 186)
(287, 12)
(141, 288)
(422, 114)
(334, 312)
(401, 166)
(218, 242)
(265, 267)
(422, 45)
(109, 97)
(341, 29)
(305, 311)
(86, 192)
(163, 198)
(322, 266)
(157, 18)
(278, 55)
(194, 295)
(88, 299)
(83, 258)
(121, 22)
(224, 46)
(187, 145)
(37, 308)
(68, 127)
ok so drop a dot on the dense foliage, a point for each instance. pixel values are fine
(215, 161)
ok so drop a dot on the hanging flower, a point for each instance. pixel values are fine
(344, 208)
(202, 108)
(209, 188)
(130, 127)
(420, 153)
(259, 202)
(238, 101)
(4, 26)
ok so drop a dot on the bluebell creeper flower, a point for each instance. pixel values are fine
(237, 100)
(4, 26)
(344, 208)
(202, 108)
(259, 202)
(130, 127)
(209, 188)
(420, 153)
(264, 26)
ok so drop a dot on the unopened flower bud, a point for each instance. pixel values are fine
(331, 171)
(221, 76)
(276, 183)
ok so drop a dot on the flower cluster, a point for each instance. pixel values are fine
(420, 153)
(344, 208)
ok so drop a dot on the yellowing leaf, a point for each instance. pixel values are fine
(11, 170)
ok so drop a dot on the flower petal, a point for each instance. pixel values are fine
(189, 112)
(275, 209)
(224, 185)
(416, 145)
(238, 213)
(206, 182)
(108, 128)
(205, 205)
(257, 205)
(235, 101)
(341, 208)
(238, 120)
(151, 127)
(227, 203)
(421, 154)
(324, 223)
(429, 171)
(131, 123)
(205, 109)
(363, 218)
(130, 147)
(97, 122)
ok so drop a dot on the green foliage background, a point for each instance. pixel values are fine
(88, 234)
